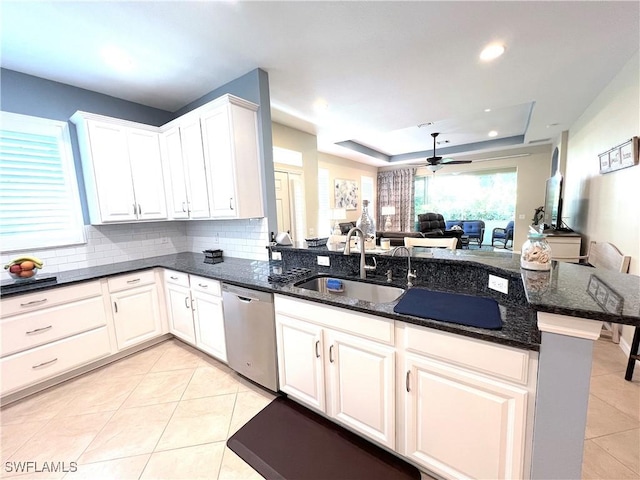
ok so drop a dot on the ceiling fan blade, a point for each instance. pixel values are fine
(453, 162)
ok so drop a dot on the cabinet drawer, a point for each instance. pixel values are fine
(28, 330)
(176, 278)
(495, 360)
(49, 297)
(206, 285)
(41, 363)
(122, 282)
(360, 324)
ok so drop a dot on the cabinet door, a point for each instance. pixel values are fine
(218, 151)
(174, 174)
(462, 425)
(360, 385)
(196, 174)
(112, 170)
(209, 323)
(146, 170)
(136, 315)
(179, 311)
(300, 360)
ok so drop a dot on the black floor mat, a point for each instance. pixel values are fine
(288, 441)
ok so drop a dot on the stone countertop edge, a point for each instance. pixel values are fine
(519, 329)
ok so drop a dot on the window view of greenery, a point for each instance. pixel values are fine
(486, 196)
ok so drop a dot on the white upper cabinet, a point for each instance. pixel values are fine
(186, 180)
(122, 169)
(230, 139)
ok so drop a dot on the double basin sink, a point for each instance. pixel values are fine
(356, 289)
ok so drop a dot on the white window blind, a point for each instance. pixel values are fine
(39, 200)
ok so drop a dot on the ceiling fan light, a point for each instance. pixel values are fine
(434, 168)
(493, 133)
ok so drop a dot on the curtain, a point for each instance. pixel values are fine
(396, 189)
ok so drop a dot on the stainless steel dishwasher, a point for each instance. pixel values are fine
(250, 332)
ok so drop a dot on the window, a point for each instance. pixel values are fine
(39, 200)
(487, 195)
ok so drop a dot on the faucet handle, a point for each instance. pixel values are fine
(411, 275)
(371, 268)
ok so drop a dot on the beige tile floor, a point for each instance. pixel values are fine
(167, 412)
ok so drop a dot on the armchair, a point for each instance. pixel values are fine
(503, 234)
(433, 225)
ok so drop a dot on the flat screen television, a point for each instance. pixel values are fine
(553, 203)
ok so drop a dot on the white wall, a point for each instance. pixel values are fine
(236, 238)
(607, 207)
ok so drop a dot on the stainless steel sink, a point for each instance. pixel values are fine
(369, 292)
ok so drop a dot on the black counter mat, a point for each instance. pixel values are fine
(290, 442)
(450, 307)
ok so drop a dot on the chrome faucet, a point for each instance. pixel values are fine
(411, 275)
(363, 263)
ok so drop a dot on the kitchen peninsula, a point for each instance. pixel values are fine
(549, 324)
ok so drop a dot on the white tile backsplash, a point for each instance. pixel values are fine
(236, 238)
(107, 244)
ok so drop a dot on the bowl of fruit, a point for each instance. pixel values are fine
(23, 268)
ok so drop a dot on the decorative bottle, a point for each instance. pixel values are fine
(536, 252)
(366, 223)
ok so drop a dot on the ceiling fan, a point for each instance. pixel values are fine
(436, 163)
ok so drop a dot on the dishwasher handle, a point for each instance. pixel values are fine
(246, 295)
(246, 299)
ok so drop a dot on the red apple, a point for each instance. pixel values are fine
(15, 268)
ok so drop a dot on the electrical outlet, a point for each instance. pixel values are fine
(521, 216)
(276, 256)
(165, 240)
(216, 238)
(499, 284)
(324, 261)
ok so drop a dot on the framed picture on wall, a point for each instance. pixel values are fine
(621, 156)
(346, 194)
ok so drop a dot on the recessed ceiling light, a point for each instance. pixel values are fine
(552, 125)
(493, 133)
(320, 105)
(487, 110)
(492, 52)
(425, 124)
(117, 58)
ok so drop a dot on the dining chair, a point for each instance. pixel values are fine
(450, 243)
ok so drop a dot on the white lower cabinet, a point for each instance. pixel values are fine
(195, 312)
(462, 425)
(468, 405)
(49, 332)
(345, 376)
(135, 308)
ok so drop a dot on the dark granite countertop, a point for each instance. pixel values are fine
(564, 290)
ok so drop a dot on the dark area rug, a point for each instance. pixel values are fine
(288, 441)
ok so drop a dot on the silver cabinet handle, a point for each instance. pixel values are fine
(203, 285)
(33, 302)
(183, 209)
(115, 305)
(317, 349)
(38, 330)
(186, 302)
(230, 203)
(44, 364)
(135, 280)
(135, 208)
(139, 210)
(173, 278)
(407, 382)
(331, 353)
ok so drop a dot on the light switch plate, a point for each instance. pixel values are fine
(324, 261)
(498, 283)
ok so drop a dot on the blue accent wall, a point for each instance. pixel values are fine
(29, 95)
